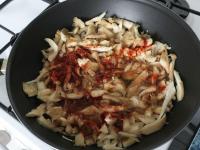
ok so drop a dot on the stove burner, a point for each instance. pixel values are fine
(172, 4)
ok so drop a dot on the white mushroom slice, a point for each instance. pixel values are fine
(82, 61)
(79, 140)
(133, 87)
(43, 72)
(129, 75)
(78, 23)
(52, 54)
(104, 31)
(129, 141)
(170, 92)
(110, 120)
(171, 66)
(91, 29)
(116, 28)
(71, 44)
(137, 103)
(55, 112)
(41, 86)
(95, 56)
(112, 108)
(148, 90)
(116, 85)
(68, 129)
(104, 129)
(95, 19)
(93, 66)
(30, 88)
(114, 98)
(128, 38)
(149, 41)
(148, 112)
(126, 125)
(45, 122)
(146, 119)
(37, 112)
(96, 36)
(47, 95)
(117, 94)
(105, 43)
(141, 77)
(146, 56)
(75, 30)
(128, 24)
(126, 134)
(63, 121)
(179, 86)
(164, 60)
(157, 110)
(53, 97)
(136, 33)
(85, 42)
(63, 37)
(158, 48)
(128, 67)
(119, 21)
(44, 94)
(90, 141)
(153, 127)
(52, 44)
(90, 110)
(97, 93)
(132, 90)
(99, 48)
(74, 95)
(105, 23)
(135, 128)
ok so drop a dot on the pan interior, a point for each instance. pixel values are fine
(25, 59)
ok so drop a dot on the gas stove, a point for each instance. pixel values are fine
(14, 16)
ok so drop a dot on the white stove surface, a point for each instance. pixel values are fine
(16, 16)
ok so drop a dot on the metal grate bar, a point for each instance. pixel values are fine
(7, 30)
(6, 2)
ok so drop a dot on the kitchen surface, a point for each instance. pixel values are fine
(13, 135)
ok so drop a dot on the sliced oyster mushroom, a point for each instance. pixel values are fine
(78, 23)
(179, 86)
(95, 19)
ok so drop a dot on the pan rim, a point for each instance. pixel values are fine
(150, 3)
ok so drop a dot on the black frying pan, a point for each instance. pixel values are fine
(25, 60)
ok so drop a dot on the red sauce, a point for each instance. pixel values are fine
(108, 68)
(66, 67)
(83, 52)
(89, 128)
(71, 58)
(121, 114)
(92, 124)
(132, 53)
(153, 78)
(161, 88)
(74, 106)
(58, 74)
(145, 42)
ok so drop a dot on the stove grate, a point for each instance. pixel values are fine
(172, 4)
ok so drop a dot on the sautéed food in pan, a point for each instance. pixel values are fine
(105, 83)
